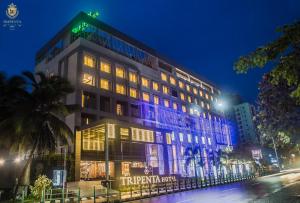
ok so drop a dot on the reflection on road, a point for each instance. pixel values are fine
(236, 192)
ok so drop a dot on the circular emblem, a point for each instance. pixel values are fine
(12, 11)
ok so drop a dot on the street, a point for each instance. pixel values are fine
(281, 187)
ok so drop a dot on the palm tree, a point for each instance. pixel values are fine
(34, 122)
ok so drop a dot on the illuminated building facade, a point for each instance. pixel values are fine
(155, 115)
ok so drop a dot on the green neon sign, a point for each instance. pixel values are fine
(83, 25)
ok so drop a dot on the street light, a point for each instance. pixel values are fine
(17, 160)
(2, 161)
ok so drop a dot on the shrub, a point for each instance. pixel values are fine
(41, 183)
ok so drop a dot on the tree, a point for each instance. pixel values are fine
(34, 121)
(278, 115)
(41, 184)
(284, 54)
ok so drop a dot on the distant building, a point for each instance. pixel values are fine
(244, 114)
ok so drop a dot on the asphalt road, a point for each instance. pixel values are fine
(281, 187)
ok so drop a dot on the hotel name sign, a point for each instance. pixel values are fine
(140, 180)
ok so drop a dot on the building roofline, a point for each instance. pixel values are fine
(107, 28)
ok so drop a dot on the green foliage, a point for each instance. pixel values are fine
(283, 53)
(40, 184)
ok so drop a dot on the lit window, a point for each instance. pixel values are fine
(181, 85)
(168, 138)
(163, 76)
(191, 111)
(204, 115)
(203, 140)
(183, 108)
(132, 77)
(165, 89)
(93, 141)
(120, 72)
(142, 135)
(120, 89)
(133, 92)
(166, 103)
(195, 91)
(195, 100)
(104, 84)
(209, 141)
(189, 136)
(119, 110)
(172, 81)
(155, 86)
(202, 104)
(181, 137)
(146, 96)
(196, 139)
(189, 99)
(188, 88)
(105, 67)
(206, 96)
(182, 97)
(156, 99)
(124, 133)
(88, 79)
(145, 82)
(201, 93)
(89, 61)
(175, 106)
(211, 98)
(208, 106)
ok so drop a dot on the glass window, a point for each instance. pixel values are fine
(132, 77)
(208, 106)
(89, 61)
(156, 99)
(206, 96)
(93, 139)
(168, 138)
(182, 96)
(189, 136)
(202, 104)
(209, 141)
(155, 86)
(163, 77)
(145, 82)
(120, 89)
(181, 137)
(119, 110)
(165, 89)
(88, 79)
(175, 106)
(124, 133)
(195, 91)
(188, 88)
(133, 92)
(166, 103)
(183, 108)
(201, 93)
(146, 97)
(189, 99)
(191, 111)
(203, 140)
(181, 85)
(142, 135)
(104, 84)
(105, 67)
(120, 72)
(172, 80)
(196, 139)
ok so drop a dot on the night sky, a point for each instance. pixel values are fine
(203, 36)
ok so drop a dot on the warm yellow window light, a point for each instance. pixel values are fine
(120, 72)
(175, 106)
(89, 61)
(181, 85)
(155, 86)
(165, 89)
(146, 97)
(132, 77)
(182, 96)
(188, 88)
(145, 82)
(105, 67)
(189, 99)
(166, 103)
(120, 89)
(172, 81)
(195, 91)
(88, 79)
(163, 76)
(183, 108)
(104, 84)
(133, 92)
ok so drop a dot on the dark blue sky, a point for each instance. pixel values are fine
(204, 36)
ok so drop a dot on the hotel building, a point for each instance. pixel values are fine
(148, 113)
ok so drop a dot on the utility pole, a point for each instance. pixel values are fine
(276, 152)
